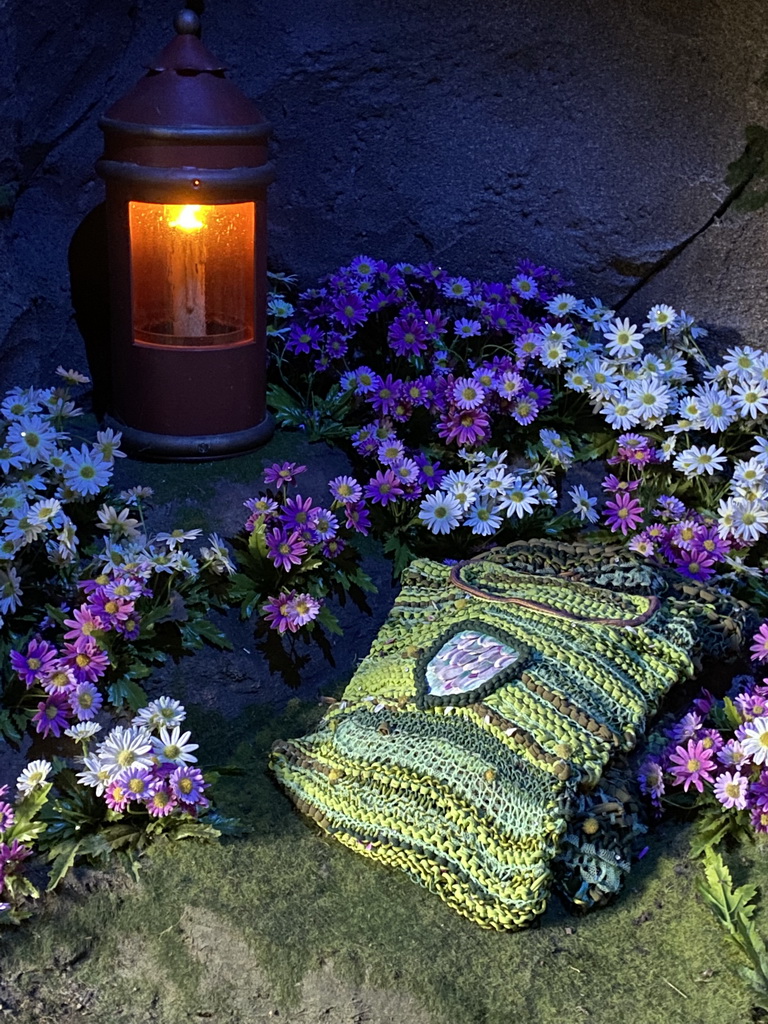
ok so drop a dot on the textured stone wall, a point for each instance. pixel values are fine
(592, 134)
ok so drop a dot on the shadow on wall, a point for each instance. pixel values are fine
(89, 288)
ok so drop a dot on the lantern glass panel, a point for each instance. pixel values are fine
(192, 273)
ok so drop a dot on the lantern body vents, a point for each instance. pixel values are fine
(186, 168)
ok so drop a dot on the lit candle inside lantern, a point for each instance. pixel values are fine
(187, 270)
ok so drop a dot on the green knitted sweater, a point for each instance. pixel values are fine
(495, 691)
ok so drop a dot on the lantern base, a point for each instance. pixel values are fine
(140, 444)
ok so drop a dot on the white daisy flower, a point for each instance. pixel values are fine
(718, 409)
(83, 730)
(119, 524)
(601, 378)
(163, 711)
(463, 486)
(741, 362)
(172, 746)
(751, 398)
(34, 775)
(518, 499)
(659, 318)
(618, 413)
(562, 304)
(576, 380)
(44, 511)
(440, 511)
(583, 503)
(96, 774)
(624, 340)
(125, 748)
(750, 520)
(10, 590)
(545, 492)
(696, 460)
(483, 518)
(649, 397)
(754, 739)
(749, 472)
(176, 538)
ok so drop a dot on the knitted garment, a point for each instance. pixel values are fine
(495, 691)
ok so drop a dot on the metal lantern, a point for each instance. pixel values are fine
(186, 169)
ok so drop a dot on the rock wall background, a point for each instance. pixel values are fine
(591, 134)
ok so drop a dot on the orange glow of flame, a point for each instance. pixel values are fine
(185, 217)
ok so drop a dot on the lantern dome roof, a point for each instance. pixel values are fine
(185, 87)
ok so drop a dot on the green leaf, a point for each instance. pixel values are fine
(212, 634)
(734, 909)
(8, 729)
(402, 554)
(125, 690)
(63, 859)
(328, 620)
(364, 581)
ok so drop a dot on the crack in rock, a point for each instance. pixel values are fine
(664, 261)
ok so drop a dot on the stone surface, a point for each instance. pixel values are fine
(595, 136)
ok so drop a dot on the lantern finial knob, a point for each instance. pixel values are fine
(187, 23)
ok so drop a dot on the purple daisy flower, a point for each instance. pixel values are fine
(284, 549)
(731, 790)
(651, 780)
(110, 609)
(116, 795)
(669, 507)
(59, 679)
(435, 323)
(345, 489)
(187, 785)
(387, 394)
(692, 765)
(297, 513)
(276, 612)
(466, 427)
(7, 816)
(87, 661)
(301, 610)
(430, 472)
(686, 729)
(85, 700)
(696, 565)
(383, 488)
(161, 800)
(524, 410)
(282, 473)
(136, 782)
(623, 513)
(758, 791)
(759, 646)
(326, 525)
(406, 336)
(38, 660)
(301, 340)
(613, 485)
(52, 715)
(130, 627)
(358, 518)
(350, 310)
(710, 541)
(333, 547)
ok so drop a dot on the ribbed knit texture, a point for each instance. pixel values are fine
(492, 691)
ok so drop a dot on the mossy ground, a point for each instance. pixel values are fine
(233, 932)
